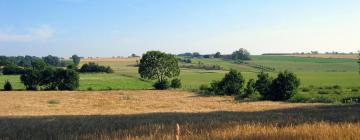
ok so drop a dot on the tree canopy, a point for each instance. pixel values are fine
(156, 65)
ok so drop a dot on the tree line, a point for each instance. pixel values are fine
(47, 73)
(283, 87)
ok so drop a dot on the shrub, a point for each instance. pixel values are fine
(250, 88)
(51, 79)
(67, 79)
(323, 92)
(263, 83)
(161, 85)
(283, 87)
(8, 86)
(336, 87)
(231, 84)
(305, 89)
(175, 83)
(354, 89)
(54, 101)
(31, 79)
(93, 67)
(12, 70)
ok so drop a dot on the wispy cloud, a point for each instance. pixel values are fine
(40, 33)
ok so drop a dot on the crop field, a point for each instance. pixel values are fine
(151, 114)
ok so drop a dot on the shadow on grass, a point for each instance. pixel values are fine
(94, 126)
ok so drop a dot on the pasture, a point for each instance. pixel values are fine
(152, 114)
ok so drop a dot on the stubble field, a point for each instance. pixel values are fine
(155, 114)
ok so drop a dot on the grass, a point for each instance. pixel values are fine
(154, 115)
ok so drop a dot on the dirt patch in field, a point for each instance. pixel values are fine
(122, 102)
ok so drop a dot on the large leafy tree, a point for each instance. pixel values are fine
(156, 65)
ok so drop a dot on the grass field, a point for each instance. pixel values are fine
(155, 114)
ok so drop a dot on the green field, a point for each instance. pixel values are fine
(313, 72)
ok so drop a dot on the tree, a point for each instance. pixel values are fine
(52, 60)
(38, 64)
(48, 78)
(231, 84)
(156, 65)
(12, 69)
(8, 86)
(250, 88)
(75, 59)
(241, 54)
(93, 67)
(67, 79)
(284, 86)
(196, 54)
(217, 55)
(31, 79)
(175, 83)
(263, 84)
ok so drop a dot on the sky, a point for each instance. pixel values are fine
(108, 28)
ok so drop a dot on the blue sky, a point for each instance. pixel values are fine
(122, 27)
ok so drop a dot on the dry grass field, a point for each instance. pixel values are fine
(152, 114)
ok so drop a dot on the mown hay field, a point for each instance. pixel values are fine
(152, 114)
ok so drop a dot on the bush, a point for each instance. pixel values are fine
(283, 87)
(263, 83)
(175, 83)
(161, 85)
(305, 89)
(67, 79)
(250, 88)
(323, 92)
(231, 84)
(50, 79)
(354, 89)
(12, 70)
(336, 87)
(8, 86)
(31, 79)
(93, 67)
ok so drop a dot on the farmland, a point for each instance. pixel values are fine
(151, 114)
